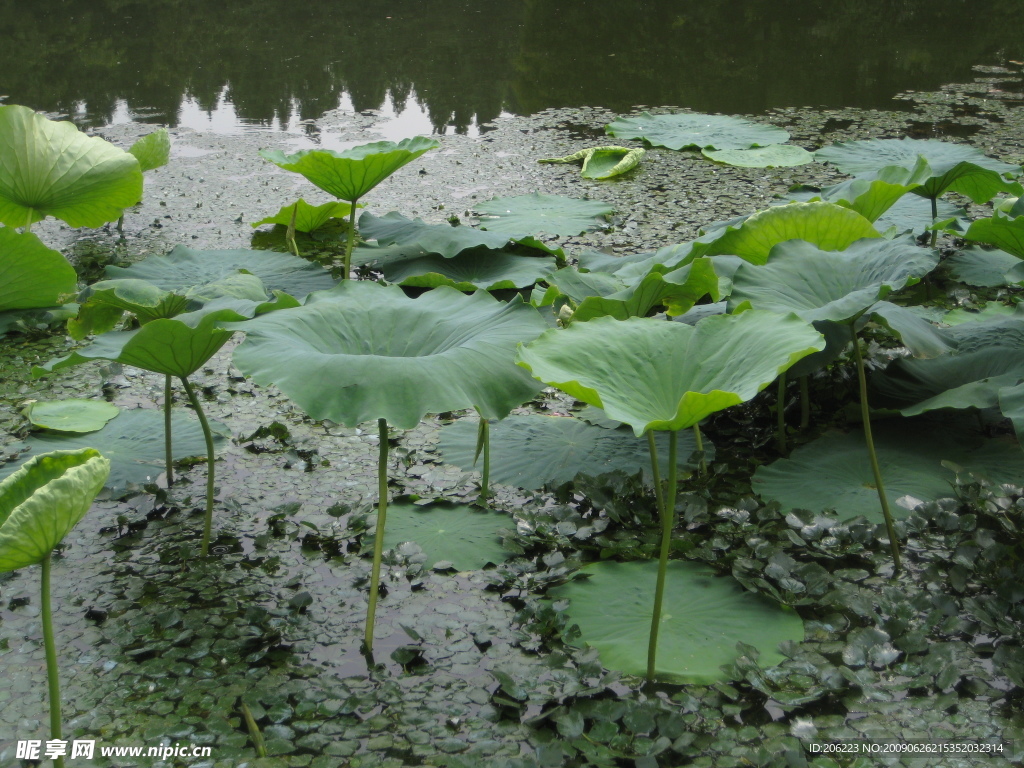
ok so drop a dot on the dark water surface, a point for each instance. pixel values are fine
(451, 65)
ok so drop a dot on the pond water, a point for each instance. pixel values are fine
(454, 65)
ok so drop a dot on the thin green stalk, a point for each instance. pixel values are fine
(120, 225)
(254, 731)
(655, 471)
(290, 233)
(668, 513)
(485, 480)
(780, 430)
(350, 243)
(208, 521)
(879, 486)
(378, 539)
(169, 459)
(51, 658)
(935, 215)
(699, 442)
(805, 403)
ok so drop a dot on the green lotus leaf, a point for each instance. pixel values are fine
(184, 268)
(38, 319)
(448, 241)
(308, 218)
(991, 311)
(43, 500)
(677, 290)
(133, 442)
(870, 156)
(917, 334)
(650, 374)
(696, 131)
(52, 169)
(466, 537)
(533, 451)
(602, 162)
(1011, 403)
(351, 174)
(32, 276)
(834, 471)
(551, 214)
(874, 195)
(1004, 233)
(71, 415)
(771, 156)
(152, 150)
(1010, 206)
(477, 268)
(831, 227)
(363, 351)
(703, 617)
(983, 267)
(819, 284)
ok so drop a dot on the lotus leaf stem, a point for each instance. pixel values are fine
(668, 509)
(378, 539)
(350, 243)
(805, 403)
(51, 657)
(865, 413)
(485, 484)
(935, 215)
(699, 442)
(168, 456)
(210, 458)
(290, 234)
(655, 471)
(780, 431)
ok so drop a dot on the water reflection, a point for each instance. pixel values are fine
(452, 65)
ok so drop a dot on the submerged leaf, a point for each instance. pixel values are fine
(464, 536)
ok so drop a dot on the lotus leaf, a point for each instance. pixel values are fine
(133, 442)
(834, 472)
(677, 290)
(602, 162)
(696, 131)
(921, 337)
(1004, 233)
(983, 267)
(470, 270)
(872, 155)
(443, 239)
(32, 276)
(991, 311)
(1011, 404)
(704, 616)
(533, 451)
(71, 415)
(52, 169)
(466, 537)
(551, 214)
(152, 150)
(771, 156)
(308, 218)
(669, 376)
(363, 351)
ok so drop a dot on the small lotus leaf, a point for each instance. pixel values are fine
(691, 130)
(533, 451)
(31, 275)
(71, 415)
(308, 218)
(602, 162)
(53, 169)
(703, 617)
(676, 290)
(466, 537)
(351, 174)
(1001, 232)
(470, 270)
(550, 214)
(920, 336)
(448, 241)
(983, 267)
(771, 156)
(656, 375)
(43, 500)
(152, 150)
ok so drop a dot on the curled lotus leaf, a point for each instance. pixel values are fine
(688, 130)
(602, 162)
(308, 218)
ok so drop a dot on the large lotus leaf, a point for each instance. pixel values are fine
(697, 131)
(991, 311)
(53, 169)
(871, 196)
(831, 227)
(551, 214)
(872, 155)
(598, 261)
(152, 150)
(984, 267)
(656, 375)
(677, 290)
(184, 268)
(1011, 403)
(133, 442)
(466, 537)
(978, 183)
(771, 156)
(914, 214)
(71, 415)
(308, 218)
(703, 618)
(837, 339)
(917, 334)
(43, 500)
(834, 471)
(1001, 232)
(395, 229)
(821, 284)
(470, 270)
(534, 451)
(31, 275)
(351, 174)
(602, 162)
(363, 351)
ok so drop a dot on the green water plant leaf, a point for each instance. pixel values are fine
(70, 415)
(1001, 232)
(479, 268)
(917, 333)
(152, 150)
(53, 169)
(533, 451)
(395, 229)
(651, 374)
(703, 617)
(991, 311)
(688, 130)
(32, 276)
(770, 156)
(869, 156)
(308, 218)
(467, 537)
(1011, 404)
(677, 290)
(982, 267)
(550, 214)
(602, 162)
